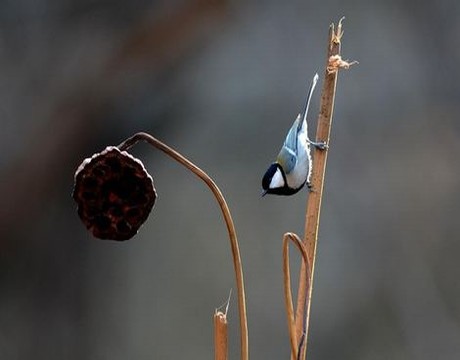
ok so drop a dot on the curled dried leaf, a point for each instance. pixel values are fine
(336, 62)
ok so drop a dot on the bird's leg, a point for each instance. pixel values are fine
(320, 145)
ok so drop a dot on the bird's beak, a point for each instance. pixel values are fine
(264, 192)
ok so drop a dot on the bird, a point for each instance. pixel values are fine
(292, 167)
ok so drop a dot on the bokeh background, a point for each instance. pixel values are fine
(221, 81)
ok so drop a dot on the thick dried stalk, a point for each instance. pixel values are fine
(220, 336)
(334, 62)
(228, 221)
(221, 331)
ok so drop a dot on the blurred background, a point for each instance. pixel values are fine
(222, 81)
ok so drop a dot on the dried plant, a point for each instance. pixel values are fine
(221, 331)
(298, 325)
(115, 194)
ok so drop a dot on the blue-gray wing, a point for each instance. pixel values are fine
(291, 138)
(287, 158)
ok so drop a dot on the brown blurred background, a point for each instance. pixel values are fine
(221, 81)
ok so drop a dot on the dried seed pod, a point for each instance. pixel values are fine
(114, 194)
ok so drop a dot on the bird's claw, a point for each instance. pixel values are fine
(320, 145)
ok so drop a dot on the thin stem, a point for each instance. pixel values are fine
(314, 200)
(228, 221)
(287, 287)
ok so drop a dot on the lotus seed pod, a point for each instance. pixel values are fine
(114, 194)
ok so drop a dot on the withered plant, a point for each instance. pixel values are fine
(115, 194)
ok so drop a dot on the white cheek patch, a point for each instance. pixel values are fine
(277, 180)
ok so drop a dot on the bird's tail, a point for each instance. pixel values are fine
(307, 102)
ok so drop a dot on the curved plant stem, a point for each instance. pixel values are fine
(228, 221)
(295, 347)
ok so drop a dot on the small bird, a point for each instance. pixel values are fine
(292, 168)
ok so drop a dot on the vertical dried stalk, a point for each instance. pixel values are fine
(334, 62)
(220, 336)
(228, 221)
